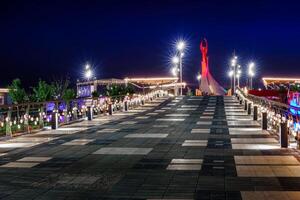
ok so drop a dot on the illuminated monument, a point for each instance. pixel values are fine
(208, 84)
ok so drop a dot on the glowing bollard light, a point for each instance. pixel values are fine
(90, 113)
(125, 106)
(264, 120)
(284, 142)
(249, 108)
(255, 112)
(110, 109)
(54, 120)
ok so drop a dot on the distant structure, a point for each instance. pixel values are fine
(86, 88)
(208, 84)
(4, 98)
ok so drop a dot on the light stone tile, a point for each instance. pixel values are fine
(186, 161)
(171, 104)
(152, 114)
(124, 114)
(160, 126)
(71, 129)
(177, 115)
(32, 139)
(189, 106)
(159, 111)
(204, 123)
(243, 123)
(266, 160)
(34, 159)
(142, 117)
(218, 167)
(136, 111)
(294, 170)
(200, 130)
(122, 151)
(146, 135)
(151, 105)
(236, 113)
(247, 131)
(108, 130)
(234, 110)
(218, 161)
(239, 118)
(128, 123)
(78, 142)
(207, 114)
(255, 146)
(270, 195)
(171, 119)
(253, 140)
(188, 167)
(13, 145)
(211, 107)
(207, 117)
(195, 143)
(186, 109)
(267, 171)
(19, 165)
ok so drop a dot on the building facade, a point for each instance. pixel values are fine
(4, 98)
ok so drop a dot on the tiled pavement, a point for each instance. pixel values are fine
(185, 148)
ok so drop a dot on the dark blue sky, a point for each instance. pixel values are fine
(46, 39)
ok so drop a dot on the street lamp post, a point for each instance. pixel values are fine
(175, 70)
(88, 73)
(199, 79)
(180, 48)
(251, 74)
(230, 74)
(233, 66)
(238, 75)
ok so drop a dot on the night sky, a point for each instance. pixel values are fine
(53, 39)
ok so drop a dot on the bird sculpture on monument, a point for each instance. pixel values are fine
(208, 84)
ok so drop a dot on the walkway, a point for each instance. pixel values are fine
(186, 148)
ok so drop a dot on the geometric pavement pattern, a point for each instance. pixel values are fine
(181, 148)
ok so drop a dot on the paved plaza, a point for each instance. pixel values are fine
(180, 148)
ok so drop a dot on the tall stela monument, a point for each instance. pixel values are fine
(208, 84)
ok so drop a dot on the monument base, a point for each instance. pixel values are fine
(210, 86)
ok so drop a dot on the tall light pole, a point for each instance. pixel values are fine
(238, 74)
(88, 73)
(199, 79)
(180, 47)
(230, 74)
(234, 66)
(251, 74)
(175, 70)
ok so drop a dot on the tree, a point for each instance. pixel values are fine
(68, 95)
(16, 92)
(129, 89)
(119, 90)
(95, 94)
(43, 92)
(60, 86)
